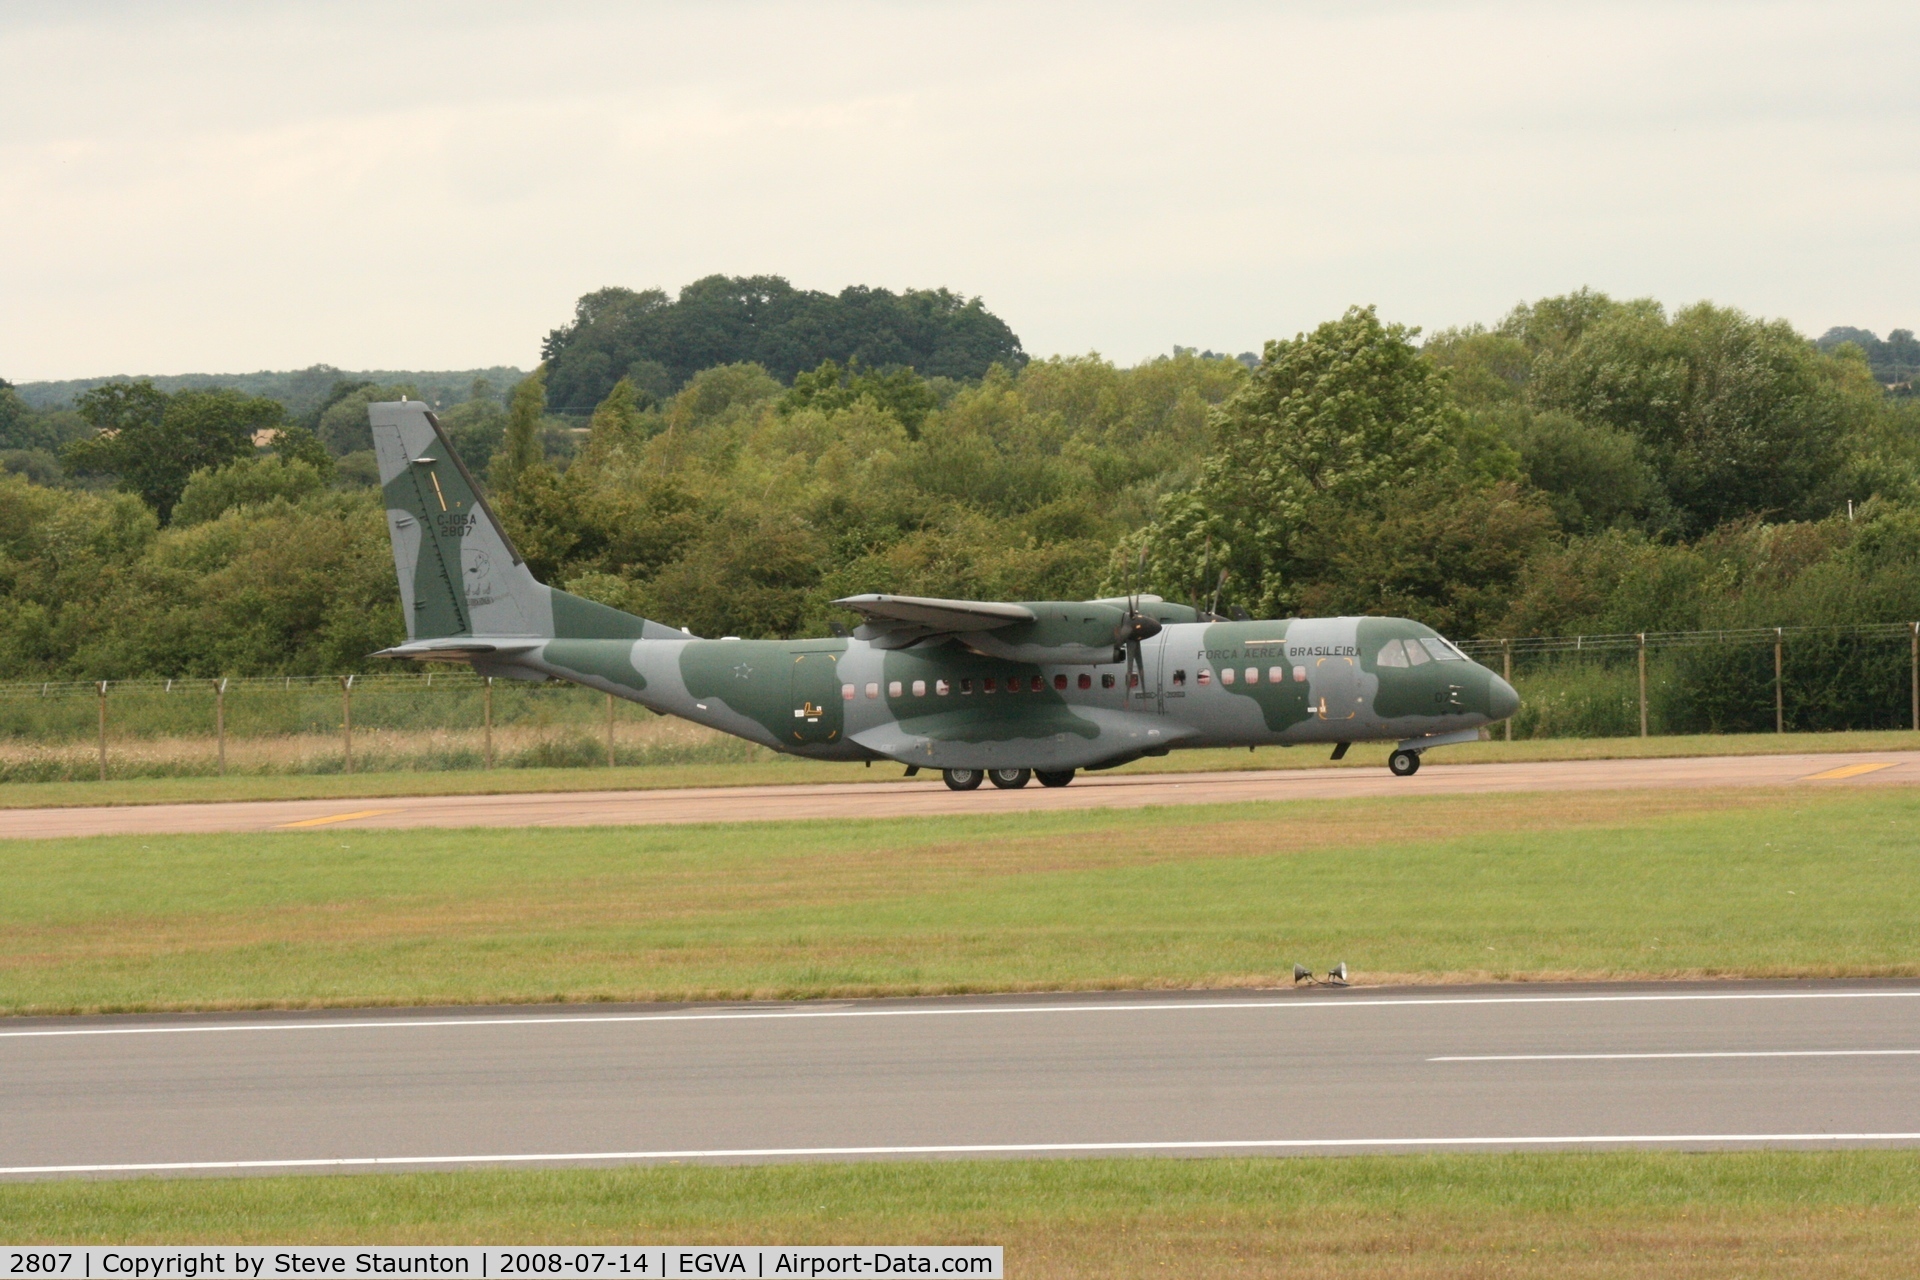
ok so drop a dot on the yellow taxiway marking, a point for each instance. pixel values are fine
(1849, 771)
(336, 817)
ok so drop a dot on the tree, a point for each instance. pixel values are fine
(1739, 416)
(660, 343)
(522, 453)
(153, 442)
(1342, 418)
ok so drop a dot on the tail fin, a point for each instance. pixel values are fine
(459, 572)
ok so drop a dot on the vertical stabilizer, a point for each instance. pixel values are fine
(459, 572)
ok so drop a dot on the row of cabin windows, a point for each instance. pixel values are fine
(988, 684)
(1275, 675)
(1396, 653)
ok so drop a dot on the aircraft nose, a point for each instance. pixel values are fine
(1502, 701)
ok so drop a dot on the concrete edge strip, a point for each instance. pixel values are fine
(756, 1015)
(982, 1148)
(1721, 1053)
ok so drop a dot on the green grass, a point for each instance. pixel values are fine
(786, 771)
(1440, 888)
(1854, 1213)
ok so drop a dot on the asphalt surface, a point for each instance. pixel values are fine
(1666, 1067)
(923, 798)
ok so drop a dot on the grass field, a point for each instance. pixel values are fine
(786, 770)
(1441, 888)
(1829, 1214)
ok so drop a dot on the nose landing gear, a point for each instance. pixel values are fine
(1404, 764)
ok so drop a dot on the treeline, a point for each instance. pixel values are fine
(1584, 465)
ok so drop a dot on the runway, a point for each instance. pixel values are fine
(1674, 1066)
(921, 798)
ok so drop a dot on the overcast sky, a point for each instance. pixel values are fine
(213, 188)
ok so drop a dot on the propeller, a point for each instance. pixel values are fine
(1135, 626)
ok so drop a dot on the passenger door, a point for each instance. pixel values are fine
(1336, 688)
(818, 712)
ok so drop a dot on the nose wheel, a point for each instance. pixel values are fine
(1403, 763)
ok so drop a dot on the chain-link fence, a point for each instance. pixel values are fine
(1735, 681)
(1746, 680)
(57, 731)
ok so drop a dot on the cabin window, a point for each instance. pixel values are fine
(1391, 655)
(1442, 651)
(1276, 674)
(966, 685)
(1226, 675)
(1060, 682)
(1013, 684)
(1037, 685)
(1253, 675)
(942, 688)
(919, 688)
(1133, 679)
(987, 685)
(1106, 682)
(1416, 656)
(1203, 676)
(873, 689)
(846, 691)
(1179, 679)
(1299, 675)
(1086, 680)
(893, 689)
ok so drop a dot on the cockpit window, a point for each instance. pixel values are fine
(1391, 655)
(1416, 656)
(1442, 651)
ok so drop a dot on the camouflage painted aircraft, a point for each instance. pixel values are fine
(979, 690)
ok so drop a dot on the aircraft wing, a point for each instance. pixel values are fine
(923, 616)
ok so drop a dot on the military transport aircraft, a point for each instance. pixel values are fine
(979, 690)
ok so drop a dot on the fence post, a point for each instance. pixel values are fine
(102, 686)
(346, 720)
(1779, 686)
(220, 720)
(1643, 684)
(609, 731)
(486, 701)
(1506, 673)
(1913, 676)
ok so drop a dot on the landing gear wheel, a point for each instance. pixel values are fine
(1009, 779)
(1054, 777)
(962, 779)
(1404, 763)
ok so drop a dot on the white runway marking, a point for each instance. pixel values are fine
(1729, 1053)
(982, 1148)
(756, 1015)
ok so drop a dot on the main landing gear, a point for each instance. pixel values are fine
(1404, 763)
(1005, 779)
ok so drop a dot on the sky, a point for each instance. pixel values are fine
(223, 188)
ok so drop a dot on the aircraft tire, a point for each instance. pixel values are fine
(1009, 779)
(962, 779)
(1404, 763)
(1053, 777)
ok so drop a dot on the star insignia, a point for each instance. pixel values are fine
(741, 671)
